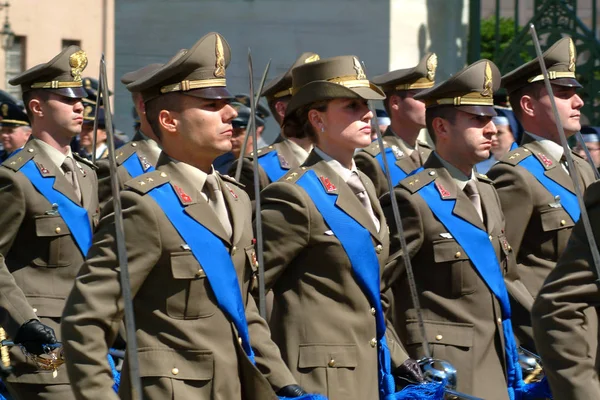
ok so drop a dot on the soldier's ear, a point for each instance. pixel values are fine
(35, 105)
(440, 127)
(315, 119)
(527, 105)
(394, 102)
(168, 122)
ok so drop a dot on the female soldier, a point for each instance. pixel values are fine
(325, 242)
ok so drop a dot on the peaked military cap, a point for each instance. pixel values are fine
(560, 62)
(133, 76)
(331, 78)
(61, 75)
(281, 85)
(11, 114)
(470, 90)
(6, 97)
(261, 110)
(199, 72)
(421, 76)
(243, 118)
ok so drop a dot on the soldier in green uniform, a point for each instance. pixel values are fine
(537, 194)
(190, 252)
(49, 203)
(404, 152)
(286, 153)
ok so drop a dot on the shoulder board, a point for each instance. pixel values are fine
(230, 179)
(293, 175)
(83, 160)
(262, 151)
(425, 145)
(123, 152)
(483, 178)
(515, 156)
(16, 161)
(372, 149)
(415, 182)
(146, 182)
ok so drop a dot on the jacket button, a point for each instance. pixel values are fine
(233, 250)
(134, 144)
(163, 175)
(378, 248)
(438, 337)
(373, 342)
(331, 363)
(240, 340)
(30, 150)
(458, 254)
(35, 310)
(563, 222)
(199, 273)
(373, 311)
(175, 371)
(509, 248)
(490, 237)
(499, 320)
(57, 230)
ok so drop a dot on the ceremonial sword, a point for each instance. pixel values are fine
(238, 168)
(573, 173)
(132, 349)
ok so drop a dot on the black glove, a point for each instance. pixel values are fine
(409, 373)
(33, 335)
(291, 391)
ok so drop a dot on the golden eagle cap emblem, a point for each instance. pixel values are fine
(488, 87)
(360, 74)
(78, 61)
(220, 62)
(572, 58)
(5, 110)
(87, 111)
(432, 63)
(313, 58)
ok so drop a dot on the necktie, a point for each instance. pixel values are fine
(473, 194)
(68, 166)
(361, 193)
(415, 157)
(217, 202)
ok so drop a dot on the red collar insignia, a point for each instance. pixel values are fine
(235, 196)
(185, 199)
(443, 192)
(329, 187)
(545, 160)
(43, 169)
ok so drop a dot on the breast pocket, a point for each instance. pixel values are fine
(191, 296)
(53, 233)
(557, 226)
(450, 256)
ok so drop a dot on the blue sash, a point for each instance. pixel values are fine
(212, 255)
(513, 146)
(478, 247)
(567, 199)
(75, 216)
(356, 241)
(134, 167)
(396, 173)
(270, 163)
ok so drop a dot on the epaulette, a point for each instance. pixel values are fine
(125, 151)
(85, 161)
(148, 181)
(515, 156)
(293, 175)
(230, 179)
(372, 149)
(415, 182)
(263, 150)
(16, 161)
(483, 178)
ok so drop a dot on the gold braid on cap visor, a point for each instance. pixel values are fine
(552, 75)
(56, 85)
(469, 99)
(421, 83)
(349, 81)
(186, 85)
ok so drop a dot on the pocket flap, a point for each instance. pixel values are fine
(51, 225)
(327, 355)
(185, 266)
(555, 219)
(176, 364)
(448, 250)
(453, 334)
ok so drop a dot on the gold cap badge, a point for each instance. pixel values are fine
(571, 56)
(360, 74)
(220, 63)
(5, 110)
(487, 81)
(313, 58)
(78, 61)
(432, 63)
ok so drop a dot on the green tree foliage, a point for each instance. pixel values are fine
(488, 36)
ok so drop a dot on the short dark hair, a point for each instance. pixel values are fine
(271, 103)
(298, 125)
(514, 98)
(170, 102)
(445, 112)
(29, 95)
(388, 95)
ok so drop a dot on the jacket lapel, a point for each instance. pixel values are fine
(376, 208)
(286, 157)
(554, 169)
(487, 198)
(237, 213)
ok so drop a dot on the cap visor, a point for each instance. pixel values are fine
(215, 93)
(487, 111)
(74, 93)
(568, 82)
